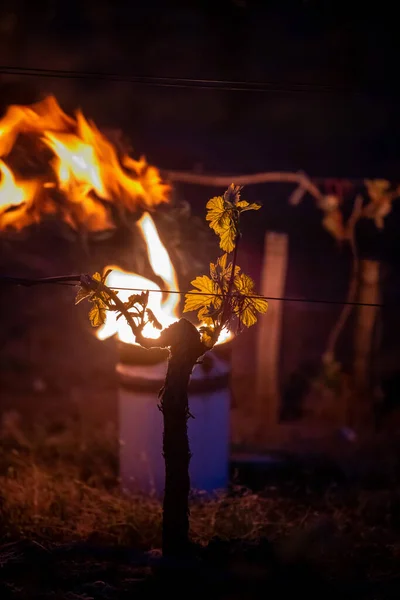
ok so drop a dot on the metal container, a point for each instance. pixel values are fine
(141, 375)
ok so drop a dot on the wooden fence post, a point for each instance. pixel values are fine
(273, 279)
(368, 292)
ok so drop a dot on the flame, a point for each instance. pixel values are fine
(225, 336)
(85, 181)
(85, 175)
(165, 311)
(18, 194)
(12, 192)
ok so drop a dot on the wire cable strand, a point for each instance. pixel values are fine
(194, 83)
(74, 281)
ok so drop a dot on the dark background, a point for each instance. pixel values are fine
(332, 104)
(327, 104)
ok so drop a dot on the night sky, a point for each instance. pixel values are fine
(331, 107)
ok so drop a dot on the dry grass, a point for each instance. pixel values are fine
(62, 485)
(59, 485)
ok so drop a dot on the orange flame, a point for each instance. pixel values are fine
(166, 312)
(86, 174)
(83, 179)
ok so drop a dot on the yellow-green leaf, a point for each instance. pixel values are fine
(377, 189)
(381, 198)
(204, 318)
(248, 305)
(216, 212)
(208, 314)
(97, 315)
(241, 203)
(228, 236)
(250, 308)
(227, 274)
(243, 283)
(221, 218)
(252, 206)
(207, 336)
(195, 300)
(82, 294)
(259, 303)
(222, 261)
(213, 271)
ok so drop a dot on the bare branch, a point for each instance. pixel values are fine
(352, 290)
(245, 180)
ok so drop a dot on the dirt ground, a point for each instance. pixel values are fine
(67, 531)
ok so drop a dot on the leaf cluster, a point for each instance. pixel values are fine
(228, 293)
(380, 195)
(103, 299)
(223, 214)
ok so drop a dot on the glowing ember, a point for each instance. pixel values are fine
(84, 178)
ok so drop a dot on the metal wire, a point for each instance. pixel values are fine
(74, 281)
(192, 83)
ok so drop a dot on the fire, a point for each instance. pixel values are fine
(165, 311)
(11, 191)
(84, 178)
(81, 178)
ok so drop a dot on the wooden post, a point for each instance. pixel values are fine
(273, 279)
(368, 292)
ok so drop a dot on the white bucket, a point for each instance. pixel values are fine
(141, 425)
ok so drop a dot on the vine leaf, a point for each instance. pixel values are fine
(85, 292)
(100, 300)
(223, 216)
(97, 313)
(381, 196)
(243, 303)
(203, 295)
(222, 221)
(227, 293)
(82, 294)
(247, 305)
(207, 336)
(209, 314)
(244, 205)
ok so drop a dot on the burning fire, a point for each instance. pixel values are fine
(82, 179)
(165, 311)
(81, 176)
